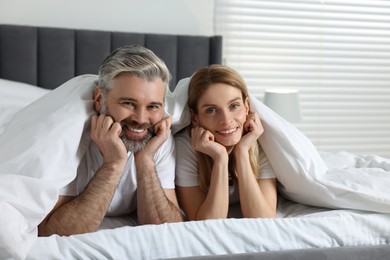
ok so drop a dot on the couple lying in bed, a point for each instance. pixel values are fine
(130, 162)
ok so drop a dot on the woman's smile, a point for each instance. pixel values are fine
(227, 132)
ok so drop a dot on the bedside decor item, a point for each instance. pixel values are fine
(284, 102)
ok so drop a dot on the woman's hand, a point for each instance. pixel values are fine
(203, 141)
(253, 130)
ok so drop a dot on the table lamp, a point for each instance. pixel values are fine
(284, 102)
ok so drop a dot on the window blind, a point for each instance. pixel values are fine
(336, 53)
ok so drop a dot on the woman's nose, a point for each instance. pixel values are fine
(224, 117)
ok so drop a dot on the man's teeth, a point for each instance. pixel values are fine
(136, 130)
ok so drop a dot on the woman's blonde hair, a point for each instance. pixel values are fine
(199, 83)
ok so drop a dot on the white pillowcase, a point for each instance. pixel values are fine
(18, 93)
(15, 95)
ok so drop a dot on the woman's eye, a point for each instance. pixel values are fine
(210, 110)
(234, 106)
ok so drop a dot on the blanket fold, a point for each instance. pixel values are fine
(42, 145)
(40, 152)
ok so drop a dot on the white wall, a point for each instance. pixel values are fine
(193, 17)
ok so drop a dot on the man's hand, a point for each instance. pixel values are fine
(105, 133)
(162, 131)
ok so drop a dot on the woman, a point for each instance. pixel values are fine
(219, 161)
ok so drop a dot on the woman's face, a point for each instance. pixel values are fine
(222, 111)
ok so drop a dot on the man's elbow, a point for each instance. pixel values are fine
(43, 230)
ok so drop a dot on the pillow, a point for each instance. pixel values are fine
(7, 112)
(15, 95)
(18, 93)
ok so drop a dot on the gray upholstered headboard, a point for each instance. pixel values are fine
(47, 57)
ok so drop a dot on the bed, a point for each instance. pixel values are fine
(331, 205)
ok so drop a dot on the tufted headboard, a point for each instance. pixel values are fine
(47, 57)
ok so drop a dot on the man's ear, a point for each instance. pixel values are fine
(97, 97)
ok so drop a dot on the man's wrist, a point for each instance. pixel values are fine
(114, 167)
(142, 161)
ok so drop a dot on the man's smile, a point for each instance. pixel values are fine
(135, 133)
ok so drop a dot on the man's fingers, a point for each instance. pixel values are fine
(94, 121)
(168, 119)
(163, 126)
(107, 122)
(116, 128)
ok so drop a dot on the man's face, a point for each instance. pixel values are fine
(137, 104)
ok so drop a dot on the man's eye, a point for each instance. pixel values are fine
(128, 103)
(154, 107)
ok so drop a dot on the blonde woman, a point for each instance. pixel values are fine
(219, 161)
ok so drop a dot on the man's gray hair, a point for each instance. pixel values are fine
(135, 60)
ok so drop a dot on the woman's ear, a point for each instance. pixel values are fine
(194, 119)
(247, 105)
(97, 97)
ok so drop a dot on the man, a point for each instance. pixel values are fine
(130, 161)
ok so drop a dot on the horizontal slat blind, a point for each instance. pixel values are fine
(336, 53)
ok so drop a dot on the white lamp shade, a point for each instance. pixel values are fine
(284, 102)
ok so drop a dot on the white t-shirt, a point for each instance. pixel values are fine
(124, 200)
(187, 166)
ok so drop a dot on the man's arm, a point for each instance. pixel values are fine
(154, 204)
(84, 213)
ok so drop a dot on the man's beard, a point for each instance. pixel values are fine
(135, 145)
(132, 145)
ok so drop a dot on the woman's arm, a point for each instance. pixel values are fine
(257, 197)
(211, 205)
(215, 202)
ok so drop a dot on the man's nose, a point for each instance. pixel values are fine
(140, 116)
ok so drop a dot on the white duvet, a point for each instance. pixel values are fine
(40, 150)
(297, 227)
